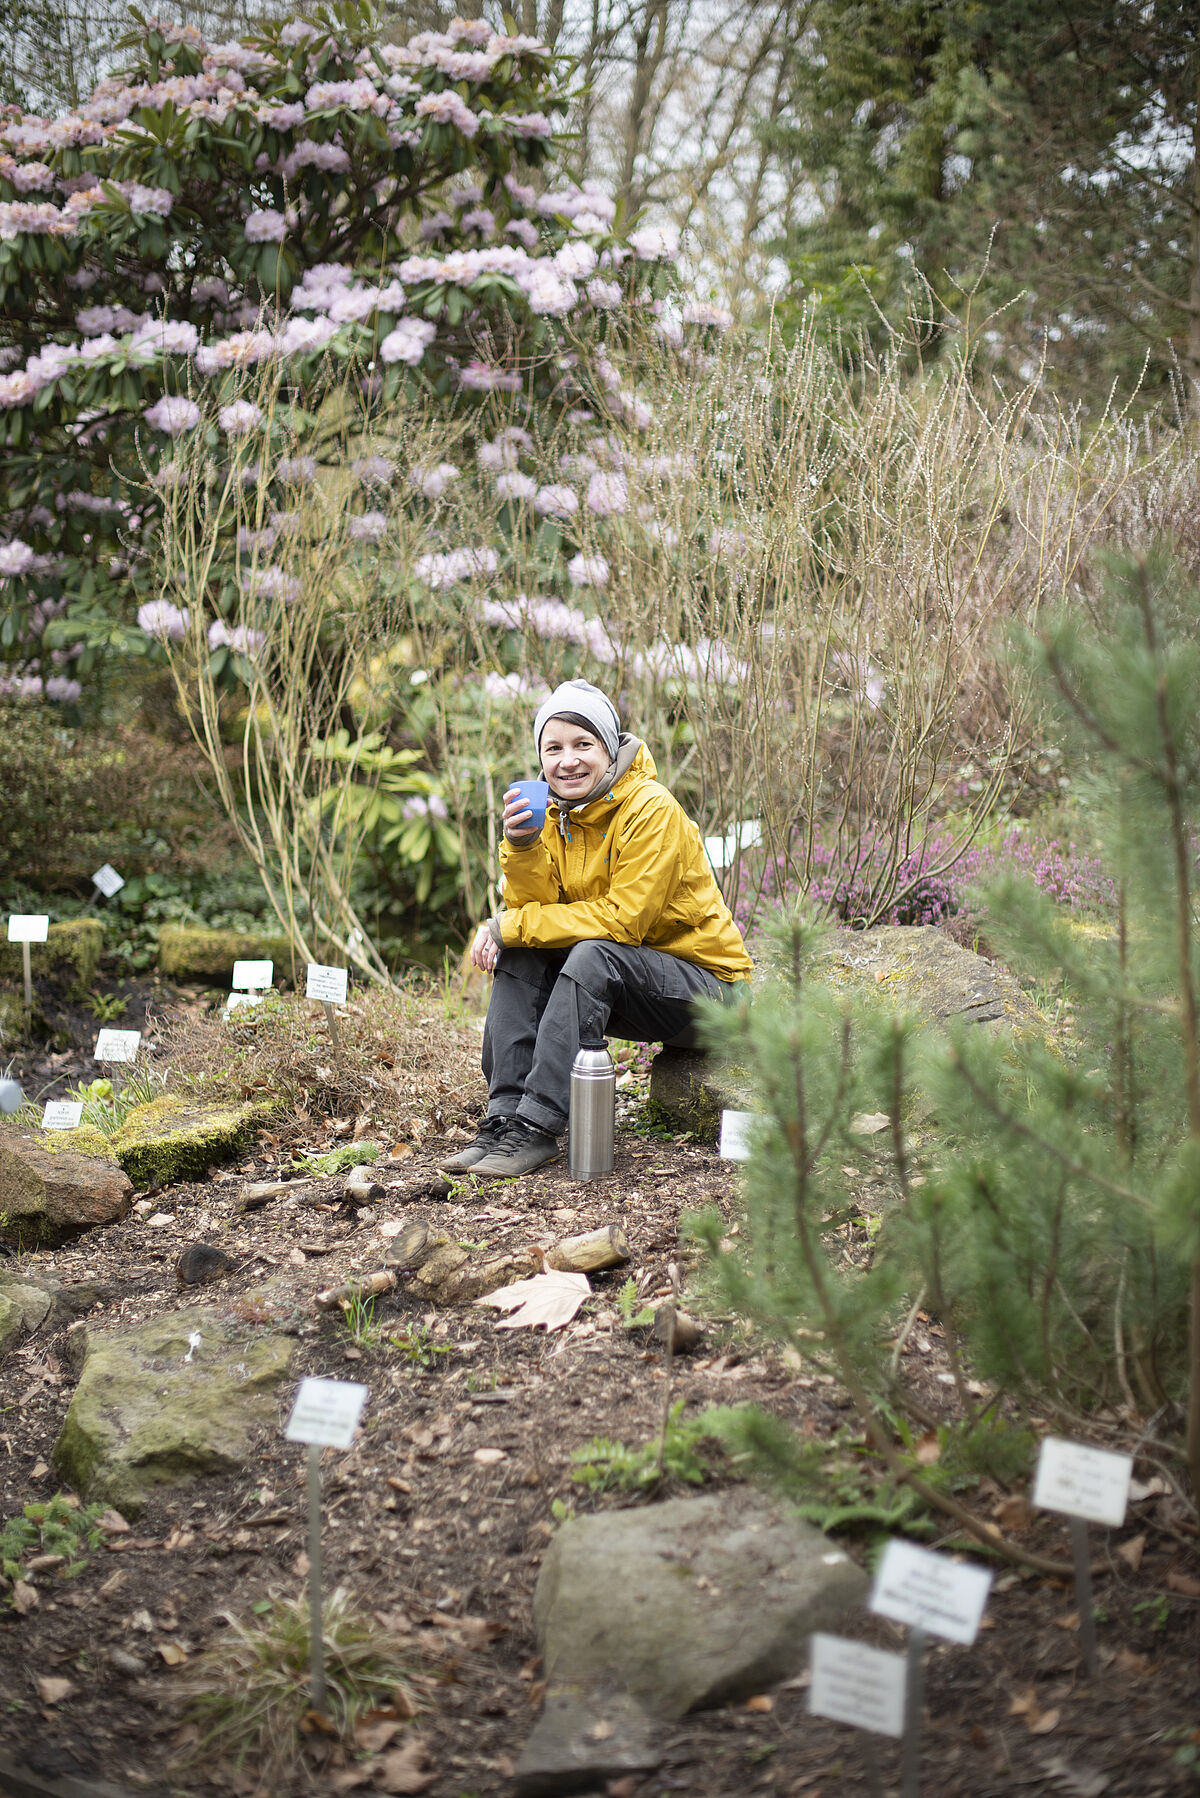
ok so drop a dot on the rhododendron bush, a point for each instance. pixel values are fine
(301, 200)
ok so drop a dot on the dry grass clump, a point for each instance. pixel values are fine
(250, 1698)
(409, 1057)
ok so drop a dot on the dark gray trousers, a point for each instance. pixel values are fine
(545, 1001)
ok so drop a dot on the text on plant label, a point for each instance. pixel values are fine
(108, 880)
(326, 1412)
(328, 984)
(62, 1114)
(1082, 1482)
(735, 1134)
(117, 1045)
(855, 1684)
(929, 1591)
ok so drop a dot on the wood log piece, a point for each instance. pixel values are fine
(590, 1253)
(410, 1246)
(688, 1330)
(361, 1187)
(258, 1193)
(454, 1276)
(370, 1287)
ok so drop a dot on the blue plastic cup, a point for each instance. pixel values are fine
(536, 794)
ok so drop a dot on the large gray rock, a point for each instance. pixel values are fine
(23, 1309)
(907, 967)
(50, 1194)
(690, 1603)
(585, 1737)
(159, 1405)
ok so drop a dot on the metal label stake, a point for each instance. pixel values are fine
(914, 1701)
(27, 967)
(1083, 1595)
(1084, 1485)
(325, 1415)
(316, 1618)
(335, 1039)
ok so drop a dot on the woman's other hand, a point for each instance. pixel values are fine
(484, 950)
(516, 817)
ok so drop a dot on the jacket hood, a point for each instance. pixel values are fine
(634, 765)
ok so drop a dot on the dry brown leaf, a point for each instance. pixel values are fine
(1184, 1583)
(1069, 1621)
(54, 1691)
(316, 1723)
(172, 1653)
(1131, 1552)
(928, 1449)
(347, 1779)
(375, 1733)
(1044, 1722)
(24, 1597)
(405, 1769)
(600, 1732)
(763, 1702)
(1014, 1513)
(488, 1457)
(869, 1123)
(477, 1632)
(551, 1298)
(1130, 1664)
(113, 1524)
(400, 1151)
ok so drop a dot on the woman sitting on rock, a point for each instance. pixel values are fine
(612, 921)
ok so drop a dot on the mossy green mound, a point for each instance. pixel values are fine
(163, 1404)
(71, 952)
(168, 1139)
(190, 952)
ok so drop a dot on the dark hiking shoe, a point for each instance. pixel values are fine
(521, 1150)
(489, 1137)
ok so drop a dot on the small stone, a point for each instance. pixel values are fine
(143, 1208)
(162, 1220)
(48, 1196)
(488, 1457)
(201, 1262)
(121, 1661)
(584, 1739)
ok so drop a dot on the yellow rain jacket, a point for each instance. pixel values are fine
(628, 867)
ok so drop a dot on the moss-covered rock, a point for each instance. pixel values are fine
(163, 1404)
(691, 1089)
(16, 1024)
(168, 1139)
(190, 952)
(70, 954)
(918, 968)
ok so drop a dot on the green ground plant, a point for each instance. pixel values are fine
(603, 1465)
(55, 1526)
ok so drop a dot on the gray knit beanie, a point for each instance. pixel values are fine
(585, 705)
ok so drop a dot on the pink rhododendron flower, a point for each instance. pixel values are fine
(301, 335)
(654, 242)
(274, 582)
(445, 570)
(606, 494)
(515, 486)
(16, 558)
(448, 109)
(268, 226)
(173, 413)
(431, 483)
(603, 293)
(480, 377)
(408, 342)
(239, 417)
(159, 618)
(588, 571)
(556, 501)
(370, 528)
(298, 469)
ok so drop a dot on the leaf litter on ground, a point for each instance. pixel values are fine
(551, 1298)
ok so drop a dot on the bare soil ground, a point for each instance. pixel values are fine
(445, 1542)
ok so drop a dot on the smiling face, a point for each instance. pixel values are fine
(573, 758)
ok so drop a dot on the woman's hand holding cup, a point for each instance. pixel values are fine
(525, 809)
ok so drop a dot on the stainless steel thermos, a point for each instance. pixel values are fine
(592, 1119)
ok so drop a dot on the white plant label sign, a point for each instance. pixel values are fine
(326, 984)
(1091, 1483)
(117, 1045)
(108, 880)
(62, 1114)
(929, 1591)
(855, 1684)
(23, 928)
(735, 1134)
(236, 999)
(252, 976)
(326, 1412)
